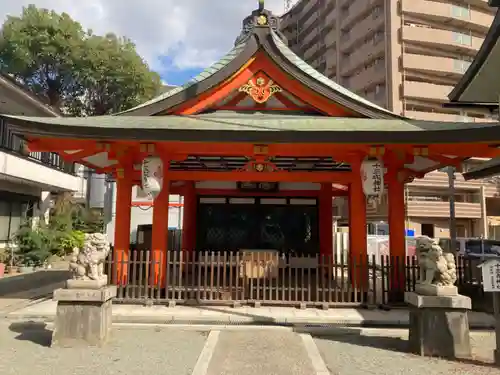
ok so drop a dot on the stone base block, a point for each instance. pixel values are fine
(435, 290)
(83, 317)
(439, 326)
(86, 284)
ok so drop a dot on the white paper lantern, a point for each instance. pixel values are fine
(372, 177)
(152, 175)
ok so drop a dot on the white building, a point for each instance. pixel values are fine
(142, 211)
(27, 179)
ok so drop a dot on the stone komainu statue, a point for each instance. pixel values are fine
(436, 267)
(87, 263)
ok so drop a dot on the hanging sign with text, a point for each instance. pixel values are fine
(491, 275)
(372, 176)
(152, 175)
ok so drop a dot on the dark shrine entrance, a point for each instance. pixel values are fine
(288, 225)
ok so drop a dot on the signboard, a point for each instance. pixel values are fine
(372, 176)
(491, 275)
(152, 175)
(259, 186)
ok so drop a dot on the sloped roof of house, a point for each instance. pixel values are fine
(19, 93)
(486, 169)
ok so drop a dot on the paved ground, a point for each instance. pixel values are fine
(46, 311)
(232, 351)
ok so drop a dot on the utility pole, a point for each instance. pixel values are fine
(453, 221)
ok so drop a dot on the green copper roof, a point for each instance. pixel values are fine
(255, 128)
(252, 122)
(309, 70)
(200, 77)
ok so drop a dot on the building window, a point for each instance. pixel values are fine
(459, 11)
(461, 38)
(377, 37)
(376, 12)
(461, 66)
(12, 216)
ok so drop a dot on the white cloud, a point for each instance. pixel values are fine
(190, 33)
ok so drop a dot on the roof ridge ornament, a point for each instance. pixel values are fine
(260, 17)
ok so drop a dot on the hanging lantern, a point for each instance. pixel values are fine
(372, 177)
(152, 175)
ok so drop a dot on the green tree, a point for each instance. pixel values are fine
(41, 48)
(74, 70)
(114, 77)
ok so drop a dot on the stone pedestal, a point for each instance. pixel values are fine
(439, 326)
(83, 315)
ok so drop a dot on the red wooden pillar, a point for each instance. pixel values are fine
(358, 269)
(397, 229)
(159, 237)
(189, 218)
(121, 250)
(326, 220)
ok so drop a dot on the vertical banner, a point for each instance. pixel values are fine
(152, 175)
(372, 177)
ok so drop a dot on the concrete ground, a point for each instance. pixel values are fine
(203, 350)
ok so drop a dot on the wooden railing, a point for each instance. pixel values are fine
(237, 278)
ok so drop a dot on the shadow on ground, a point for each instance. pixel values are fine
(356, 337)
(36, 332)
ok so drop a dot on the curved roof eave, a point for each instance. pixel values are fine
(255, 128)
(484, 52)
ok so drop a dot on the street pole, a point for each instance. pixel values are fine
(453, 221)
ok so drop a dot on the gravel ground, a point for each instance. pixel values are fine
(168, 350)
(24, 351)
(260, 352)
(382, 352)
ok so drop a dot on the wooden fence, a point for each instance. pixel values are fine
(253, 278)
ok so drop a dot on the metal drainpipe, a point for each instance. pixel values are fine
(453, 222)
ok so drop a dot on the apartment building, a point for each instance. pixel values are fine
(405, 55)
(28, 180)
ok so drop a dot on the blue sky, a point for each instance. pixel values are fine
(178, 39)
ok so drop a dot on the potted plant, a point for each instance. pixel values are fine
(26, 267)
(33, 246)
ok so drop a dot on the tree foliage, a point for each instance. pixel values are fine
(73, 69)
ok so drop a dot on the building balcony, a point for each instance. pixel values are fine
(442, 66)
(359, 56)
(442, 39)
(352, 11)
(350, 40)
(374, 74)
(447, 117)
(439, 180)
(416, 208)
(426, 91)
(46, 169)
(446, 13)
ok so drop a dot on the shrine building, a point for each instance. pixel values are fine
(259, 145)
